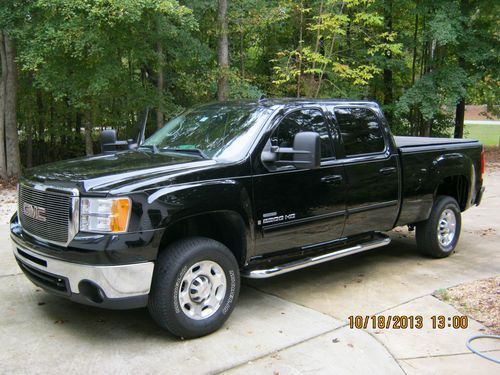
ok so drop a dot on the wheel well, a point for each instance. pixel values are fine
(224, 226)
(456, 187)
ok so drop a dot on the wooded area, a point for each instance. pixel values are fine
(71, 67)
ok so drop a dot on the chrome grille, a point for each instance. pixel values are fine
(58, 211)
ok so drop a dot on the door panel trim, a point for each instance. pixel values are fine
(372, 207)
(305, 220)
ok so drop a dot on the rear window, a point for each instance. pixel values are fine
(360, 129)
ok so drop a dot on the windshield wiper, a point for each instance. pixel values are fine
(191, 151)
(153, 148)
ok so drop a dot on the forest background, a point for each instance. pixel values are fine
(70, 68)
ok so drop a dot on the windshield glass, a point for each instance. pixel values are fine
(214, 131)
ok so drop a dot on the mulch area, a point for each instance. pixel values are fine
(479, 300)
(492, 156)
(8, 201)
(478, 112)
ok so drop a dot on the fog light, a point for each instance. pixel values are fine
(91, 291)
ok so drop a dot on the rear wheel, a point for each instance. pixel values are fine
(438, 235)
(195, 287)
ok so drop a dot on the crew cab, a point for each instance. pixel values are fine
(237, 189)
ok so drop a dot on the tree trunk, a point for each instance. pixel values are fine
(460, 109)
(459, 119)
(301, 42)
(41, 127)
(242, 55)
(89, 147)
(11, 137)
(328, 54)
(3, 160)
(388, 81)
(160, 86)
(222, 52)
(414, 60)
(78, 124)
(29, 146)
(316, 48)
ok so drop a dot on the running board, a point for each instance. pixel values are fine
(311, 261)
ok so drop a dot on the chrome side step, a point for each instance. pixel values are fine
(310, 261)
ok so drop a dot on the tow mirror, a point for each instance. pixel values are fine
(109, 143)
(306, 152)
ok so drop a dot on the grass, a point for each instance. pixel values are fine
(487, 134)
(442, 294)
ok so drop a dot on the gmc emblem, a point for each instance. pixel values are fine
(35, 212)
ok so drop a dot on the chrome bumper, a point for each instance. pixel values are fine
(116, 282)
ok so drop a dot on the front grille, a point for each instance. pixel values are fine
(44, 279)
(57, 214)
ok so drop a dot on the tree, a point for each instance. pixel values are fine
(3, 93)
(339, 49)
(222, 52)
(10, 164)
(476, 52)
(83, 65)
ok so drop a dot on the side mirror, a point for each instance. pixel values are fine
(109, 143)
(306, 152)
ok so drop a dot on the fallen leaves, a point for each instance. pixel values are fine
(478, 299)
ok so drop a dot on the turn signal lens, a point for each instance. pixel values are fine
(119, 215)
(483, 162)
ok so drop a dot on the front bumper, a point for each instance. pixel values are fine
(114, 286)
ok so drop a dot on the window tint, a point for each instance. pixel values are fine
(361, 133)
(306, 120)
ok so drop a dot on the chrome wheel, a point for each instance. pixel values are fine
(447, 227)
(202, 290)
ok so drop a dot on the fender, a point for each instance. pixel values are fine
(179, 202)
(444, 166)
(452, 164)
(455, 164)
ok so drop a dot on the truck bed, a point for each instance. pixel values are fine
(409, 142)
(424, 162)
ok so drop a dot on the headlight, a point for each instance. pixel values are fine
(104, 214)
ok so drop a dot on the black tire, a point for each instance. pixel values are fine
(170, 274)
(428, 239)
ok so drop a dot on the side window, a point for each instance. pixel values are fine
(305, 120)
(360, 129)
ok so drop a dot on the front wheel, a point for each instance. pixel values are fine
(438, 235)
(195, 287)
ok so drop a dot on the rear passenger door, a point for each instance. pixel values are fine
(371, 168)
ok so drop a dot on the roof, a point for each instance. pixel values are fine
(294, 102)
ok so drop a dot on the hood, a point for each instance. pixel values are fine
(104, 172)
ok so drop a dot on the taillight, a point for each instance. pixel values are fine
(482, 163)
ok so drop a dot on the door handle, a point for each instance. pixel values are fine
(332, 179)
(387, 171)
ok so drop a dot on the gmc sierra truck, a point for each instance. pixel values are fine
(238, 189)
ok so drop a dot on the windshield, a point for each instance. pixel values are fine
(214, 131)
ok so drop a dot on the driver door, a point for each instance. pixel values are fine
(299, 208)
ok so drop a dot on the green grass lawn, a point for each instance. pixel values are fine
(487, 134)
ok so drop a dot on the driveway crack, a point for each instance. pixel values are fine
(11, 274)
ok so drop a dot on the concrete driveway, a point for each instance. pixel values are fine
(295, 323)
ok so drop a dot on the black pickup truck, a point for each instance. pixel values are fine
(252, 189)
